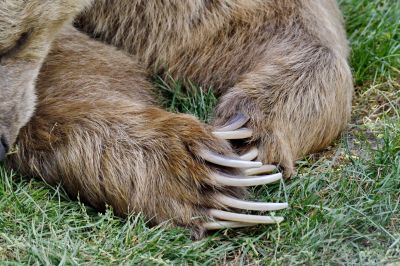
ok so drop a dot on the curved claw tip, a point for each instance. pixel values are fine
(250, 155)
(260, 170)
(234, 123)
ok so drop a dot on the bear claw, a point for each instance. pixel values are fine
(251, 205)
(233, 130)
(245, 218)
(244, 181)
(217, 224)
(250, 155)
(234, 123)
(242, 133)
(226, 161)
(267, 168)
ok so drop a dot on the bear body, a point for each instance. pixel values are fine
(279, 68)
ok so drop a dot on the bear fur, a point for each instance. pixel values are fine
(98, 130)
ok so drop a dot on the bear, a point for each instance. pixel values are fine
(279, 68)
(99, 133)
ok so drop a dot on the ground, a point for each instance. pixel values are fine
(345, 201)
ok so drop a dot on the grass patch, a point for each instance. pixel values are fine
(195, 100)
(344, 202)
(374, 33)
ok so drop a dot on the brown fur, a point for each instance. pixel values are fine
(98, 132)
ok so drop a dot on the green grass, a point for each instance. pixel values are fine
(345, 202)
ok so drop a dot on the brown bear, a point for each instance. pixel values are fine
(279, 68)
(98, 132)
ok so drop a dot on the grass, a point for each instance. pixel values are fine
(345, 202)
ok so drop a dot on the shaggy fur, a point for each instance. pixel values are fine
(98, 131)
(282, 62)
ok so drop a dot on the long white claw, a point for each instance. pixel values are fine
(260, 170)
(245, 218)
(226, 161)
(236, 122)
(250, 155)
(244, 181)
(242, 133)
(251, 205)
(224, 224)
